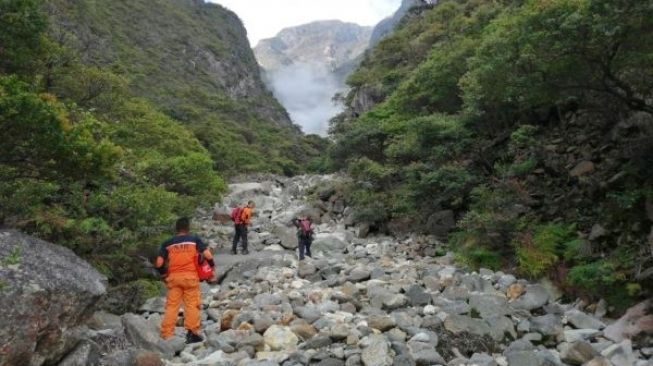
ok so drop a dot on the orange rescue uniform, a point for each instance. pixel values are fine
(181, 254)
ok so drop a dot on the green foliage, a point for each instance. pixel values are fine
(13, 258)
(548, 52)
(541, 248)
(524, 167)
(189, 74)
(472, 255)
(149, 288)
(88, 165)
(21, 39)
(594, 276)
(473, 106)
(45, 142)
(523, 136)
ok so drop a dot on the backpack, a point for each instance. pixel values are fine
(235, 214)
(204, 270)
(305, 228)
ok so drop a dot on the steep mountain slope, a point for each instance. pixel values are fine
(527, 124)
(307, 65)
(387, 25)
(193, 60)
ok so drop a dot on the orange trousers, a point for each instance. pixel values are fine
(186, 290)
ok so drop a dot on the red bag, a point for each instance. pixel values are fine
(204, 270)
(235, 214)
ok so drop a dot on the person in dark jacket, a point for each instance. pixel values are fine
(304, 235)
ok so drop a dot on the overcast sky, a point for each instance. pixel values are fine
(265, 18)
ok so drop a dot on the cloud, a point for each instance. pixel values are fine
(265, 18)
(306, 90)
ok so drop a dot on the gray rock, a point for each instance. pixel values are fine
(403, 360)
(451, 307)
(354, 360)
(580, 320)
(505, 281)
(395, 302)
(620, 354)
(87, 353)
(548, 325)
(154, 305)
(577, 353)
(308, 313)
(598, 361)
(535, 297)
(327, 245)
(500, 327)
(458, 324)
(280, 338)
(306, 269)
(102, 320)
(376, 351)
(339, 332)
(526, 358)
(331, 362)
(145, 335)
(572, 335)
(396, 335)
(417, 296)
(381, 322)
(425, 354)
(359, 274)
(47, 293)
(319, 341)
(288, 236)
(636, 321)
(487, 305)
(482, 359)
(262, 322)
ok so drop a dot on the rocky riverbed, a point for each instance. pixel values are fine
(361, 300)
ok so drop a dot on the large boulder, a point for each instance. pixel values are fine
(328, 244)
(46, 293)
(637, 322)
(288, 236)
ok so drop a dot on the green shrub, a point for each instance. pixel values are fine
(478, 257)
(524, 167)
(541, 248)
(523, 136)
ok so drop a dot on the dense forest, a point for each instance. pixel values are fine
(109, 133)
(527, 123)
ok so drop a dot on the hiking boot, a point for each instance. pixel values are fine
(234, 251)
(193, 338)
(245, 252)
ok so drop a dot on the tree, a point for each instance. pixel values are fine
(21, 40)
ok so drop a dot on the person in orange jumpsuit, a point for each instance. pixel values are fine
(180, 275)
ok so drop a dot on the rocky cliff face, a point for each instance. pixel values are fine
(308, 64)
(330, 43)
(387, 25)
(180, 54)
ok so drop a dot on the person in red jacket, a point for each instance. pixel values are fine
(241, 222)
(180, 253)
